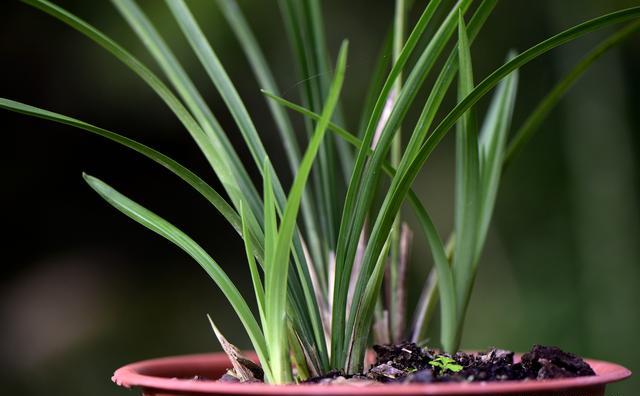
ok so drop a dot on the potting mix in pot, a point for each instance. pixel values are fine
(407, 363)
(329, 258)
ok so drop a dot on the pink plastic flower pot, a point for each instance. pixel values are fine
(170, 376)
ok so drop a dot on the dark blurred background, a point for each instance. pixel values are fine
(85, 290)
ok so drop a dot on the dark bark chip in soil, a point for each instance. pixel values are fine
(544, 362)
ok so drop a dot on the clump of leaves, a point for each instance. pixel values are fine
(321, 254)
(445, 363)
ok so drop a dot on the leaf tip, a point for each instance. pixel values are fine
(88, 178)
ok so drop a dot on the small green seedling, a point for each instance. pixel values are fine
(445, 363)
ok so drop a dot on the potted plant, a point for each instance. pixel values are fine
(327, 259)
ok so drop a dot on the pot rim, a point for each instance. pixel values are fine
(155, 374)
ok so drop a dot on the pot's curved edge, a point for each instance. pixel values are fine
(155, 374)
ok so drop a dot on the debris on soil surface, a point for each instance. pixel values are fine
(385, 372)
(407, 363)
(232, 377)
(244, 370)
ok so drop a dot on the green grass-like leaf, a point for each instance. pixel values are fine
(380, 230)
(357, 200)
(256, 280)
(260, 67)
(364, 311)
(162, 227)
(493, 138)
(277, 270)
(304, 30)
(264, 75)
(467, 191)
(219, 77)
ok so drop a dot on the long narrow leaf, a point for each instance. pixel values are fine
(169, 231)
(370, 182)
(376, 83)
(467, 191)
(336, 179)
(303, 23)
(394, 306)
(365, 308)
(253, 269)
(277, 271)
(270, 219)
(219, 77)
(350, 230)
(260, 67)
(444, 80)
(492, 149)
(262, 71)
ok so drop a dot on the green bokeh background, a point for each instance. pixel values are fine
(85, 290)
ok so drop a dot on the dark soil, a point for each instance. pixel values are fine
(409, 363)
